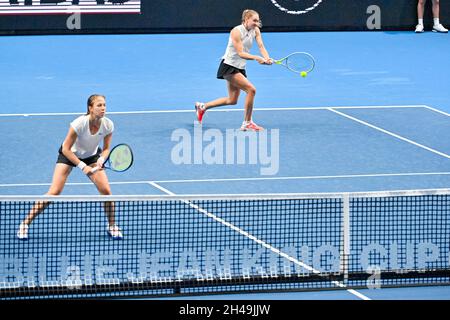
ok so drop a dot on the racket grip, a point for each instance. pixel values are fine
(95, 169)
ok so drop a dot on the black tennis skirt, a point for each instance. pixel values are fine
(90, 160)
(226, 69)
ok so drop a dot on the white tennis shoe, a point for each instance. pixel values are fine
(419, 28)
(251, 126)
(115, 232)
(439, 28)
(22, 234)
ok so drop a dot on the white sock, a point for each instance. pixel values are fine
(244, 123)
(436, 21)
(421, 22)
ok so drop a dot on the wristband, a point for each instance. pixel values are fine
(81, 165)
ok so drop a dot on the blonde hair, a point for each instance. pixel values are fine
(91, 99)
(247, 13)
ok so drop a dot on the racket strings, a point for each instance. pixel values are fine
(120, 158)
(299, 63)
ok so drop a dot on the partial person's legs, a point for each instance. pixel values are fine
(420, 10)
(235, 82)
(60, 175)
(437, 26)
(100, 179)
(232, 99)
(238, 80)
(435, 9)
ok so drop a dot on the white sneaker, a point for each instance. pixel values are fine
(114, 232)
(419, 28)
(22, 234)
(439, 28)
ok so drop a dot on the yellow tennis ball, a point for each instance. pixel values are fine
(303, 74)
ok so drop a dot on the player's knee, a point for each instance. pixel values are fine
(232, 101)
(422, 2)
(105, 191)
(251, 90)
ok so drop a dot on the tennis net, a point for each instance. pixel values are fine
(222, 244)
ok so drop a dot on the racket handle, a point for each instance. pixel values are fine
(95, 169)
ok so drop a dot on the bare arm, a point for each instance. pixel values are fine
(105, 153)
(237, 43)
(67, 145)
(66, 150)
(106, 146)
(261, 47)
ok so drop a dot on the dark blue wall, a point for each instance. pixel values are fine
(163, 16)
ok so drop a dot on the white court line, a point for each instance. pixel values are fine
(438, 111)
(215, 110)
(308, 177)
(412, 174)
(67, 184)
(391, 134)
(259, 241)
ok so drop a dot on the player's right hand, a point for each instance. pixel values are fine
(260, 60)
(88, 170)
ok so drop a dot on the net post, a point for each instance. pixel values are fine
(345, 254)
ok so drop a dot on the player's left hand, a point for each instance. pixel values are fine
(100, 162)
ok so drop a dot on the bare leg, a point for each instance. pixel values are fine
(100, 179)
(435, 8)
(238, 80)
(60, 175)
(232, 99)
(420, 8)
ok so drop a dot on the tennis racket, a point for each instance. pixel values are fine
(120, 159)
(298, 62)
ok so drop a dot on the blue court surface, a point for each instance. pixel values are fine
(373, 116)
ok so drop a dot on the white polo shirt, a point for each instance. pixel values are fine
(86, 144)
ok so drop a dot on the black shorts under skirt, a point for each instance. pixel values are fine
(226, 69)
(90, 160)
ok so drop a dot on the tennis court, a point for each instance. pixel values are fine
(367, 120)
